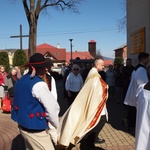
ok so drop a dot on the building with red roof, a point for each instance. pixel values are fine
(56, 54)
(59, 55)
(78, 55)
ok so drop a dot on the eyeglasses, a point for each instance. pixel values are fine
(75, 69)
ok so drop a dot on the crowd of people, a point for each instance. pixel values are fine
(35, 108)
(7, 82)
(129, 85)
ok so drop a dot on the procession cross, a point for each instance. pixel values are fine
(20, 36)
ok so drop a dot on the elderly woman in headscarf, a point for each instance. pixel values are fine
(73, 84)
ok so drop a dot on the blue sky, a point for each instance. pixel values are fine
(97, 20)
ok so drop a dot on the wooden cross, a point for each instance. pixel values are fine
(20, 36)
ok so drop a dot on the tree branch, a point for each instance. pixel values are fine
(26, 8)
(38, 9)
(62, 4)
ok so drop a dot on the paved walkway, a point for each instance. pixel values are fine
(113, 131)
(114, 134)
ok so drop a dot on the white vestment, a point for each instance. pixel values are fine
(138, 77)
(85, 112)
(142, 119)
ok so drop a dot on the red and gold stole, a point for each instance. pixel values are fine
(101, 105)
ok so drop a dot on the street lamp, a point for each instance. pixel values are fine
(71, 48)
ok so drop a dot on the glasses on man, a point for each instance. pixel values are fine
(75, 69)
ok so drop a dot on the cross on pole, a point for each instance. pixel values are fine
(20, 36)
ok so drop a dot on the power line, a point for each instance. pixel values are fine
(67, 32)
(76, 32)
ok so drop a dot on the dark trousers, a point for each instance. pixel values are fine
(111, 93)
(72, 98)
(129, 112)
(132, 116)
(100, 125)
(129, 116)
(87, 142)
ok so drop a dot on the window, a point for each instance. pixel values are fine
(57, 53)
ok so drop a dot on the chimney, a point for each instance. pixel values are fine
(92, 48)
(58, 46)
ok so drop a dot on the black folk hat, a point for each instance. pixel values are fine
(37, 60)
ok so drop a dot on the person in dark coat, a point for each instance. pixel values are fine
(126, 78)
(86, 71)
(103, 75)
(10, 83)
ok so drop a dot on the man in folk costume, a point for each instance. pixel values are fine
(84, 114)
(139, 77)
(34, 106)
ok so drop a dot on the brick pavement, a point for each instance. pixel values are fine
(9, 135)
(114, 134)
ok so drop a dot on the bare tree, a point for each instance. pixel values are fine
(122, 22)
(33, 8)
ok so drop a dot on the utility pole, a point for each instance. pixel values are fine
(71, 49)
(20, 36)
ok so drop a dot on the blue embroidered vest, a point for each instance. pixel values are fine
(27, 110)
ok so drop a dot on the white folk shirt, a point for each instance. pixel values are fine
(41, 92)
(74, 83)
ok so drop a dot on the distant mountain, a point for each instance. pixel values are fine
(108, 58)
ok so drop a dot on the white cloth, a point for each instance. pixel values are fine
(53, 133)
(138, 77)
(53, 130)
(74, 83)
(104, 111)
(85, 112)
(142, 119)
(41, 92)
(54, 90)
(53, 86)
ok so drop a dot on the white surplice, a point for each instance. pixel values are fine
(138, 77)
(142, 119)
